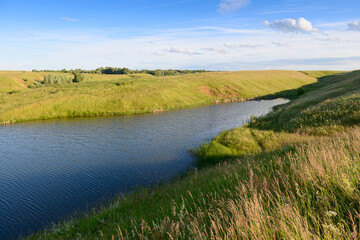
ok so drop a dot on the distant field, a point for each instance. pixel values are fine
(103, 94)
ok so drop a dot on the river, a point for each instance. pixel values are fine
(50, 169)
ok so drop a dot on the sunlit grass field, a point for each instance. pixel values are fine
(270, 179)
(103, 94)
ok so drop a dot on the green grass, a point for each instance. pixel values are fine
(330, 115)
(328, 90)
(319, 74)
(325, 107)
(19, 80)
(270, 179)
(139, 93)
(299, 192)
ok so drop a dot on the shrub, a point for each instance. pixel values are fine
(56, 79)
(78, 77)
(35, 84)
(49, 80)
(13, 91)
(300, 91)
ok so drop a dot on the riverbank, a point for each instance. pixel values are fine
(322, 109)
(106, 95)
(291, 174)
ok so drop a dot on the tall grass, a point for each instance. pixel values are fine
(326, 107)
(330, 115)
(307, 191)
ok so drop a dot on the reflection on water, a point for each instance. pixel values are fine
(49, 169)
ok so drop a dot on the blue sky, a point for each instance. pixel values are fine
(181, 34)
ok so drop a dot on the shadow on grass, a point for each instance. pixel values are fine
(314, 110)
(305, 97)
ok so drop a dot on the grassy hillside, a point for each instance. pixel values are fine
(324, 108)
(319, 74)
(139, 93)
(275, 179)
(19, 80)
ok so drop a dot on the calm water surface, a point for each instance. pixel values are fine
(49, 169)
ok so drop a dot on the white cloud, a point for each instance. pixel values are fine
(216, 50)
(247, 45)
(280, 44)
(333, 25)
(354, 26)
(300, 25)
(228, 30)
(332, 39)
(331, 63)
(159, 53)
(70, 19)
(226, 6)
(176, 49)
(189, 52)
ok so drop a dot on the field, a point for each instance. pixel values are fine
(293, 174)
(103, 94)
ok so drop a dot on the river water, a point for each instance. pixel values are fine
(50, 169)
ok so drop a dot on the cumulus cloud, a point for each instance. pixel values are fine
(280, 44)
(287, 25)
(227, 6)
(247, 45)
(355, 26)
(189, 52)
(69, 19)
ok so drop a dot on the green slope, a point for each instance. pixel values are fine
(140, 93)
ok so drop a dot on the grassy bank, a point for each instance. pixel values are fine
(101, 94)
(273, 178)
(323, 108)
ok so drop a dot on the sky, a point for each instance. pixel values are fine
(180, 34)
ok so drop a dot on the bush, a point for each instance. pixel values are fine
(13, 92)
(78, 77)
(50, 80)
(56, 79)
(35, 84)
(300, 91)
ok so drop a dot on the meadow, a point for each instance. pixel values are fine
(101, 94)
(292, 174)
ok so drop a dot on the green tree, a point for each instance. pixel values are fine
(126, 71)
